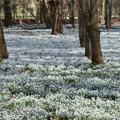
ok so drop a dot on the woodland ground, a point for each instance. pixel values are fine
(48, 74)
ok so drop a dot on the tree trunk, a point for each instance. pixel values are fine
(108, 13)
(55, 21)
(40, 12)
(103, 12)
(82, 28)
(82, 35)
(89, 19)
(56, 8)
(94, 35)
(87, 46)
(3, 48)
(7, 13)
(60, 17)
(46, 15)
(72, 12)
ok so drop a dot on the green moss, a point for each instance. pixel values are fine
(10, 106)
(28, 103)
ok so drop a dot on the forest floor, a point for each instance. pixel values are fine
(49, 75)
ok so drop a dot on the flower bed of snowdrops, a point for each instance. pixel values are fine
(48, 75)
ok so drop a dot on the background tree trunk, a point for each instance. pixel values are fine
(3, 48)
(81, 25)
(60, 17)
(56, 8)
(72, 12)
(108, 13)
(103, 12)
(7, 13)
(45, 14)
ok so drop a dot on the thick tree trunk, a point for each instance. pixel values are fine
(94, 35)
(7, 13)
(56, 8)
(3, 48)
(89, 19)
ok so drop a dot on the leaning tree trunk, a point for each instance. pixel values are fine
(3, 48)
(7, 13)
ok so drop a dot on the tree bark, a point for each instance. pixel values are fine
(56, 8)
(87, 46)
(82, 29)
(108, 13)
(3, 48)
(72, 12)
(7, 13)
(46, 15)
(94, 35)
(103, 12)
(60, 17)
(89, 19)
